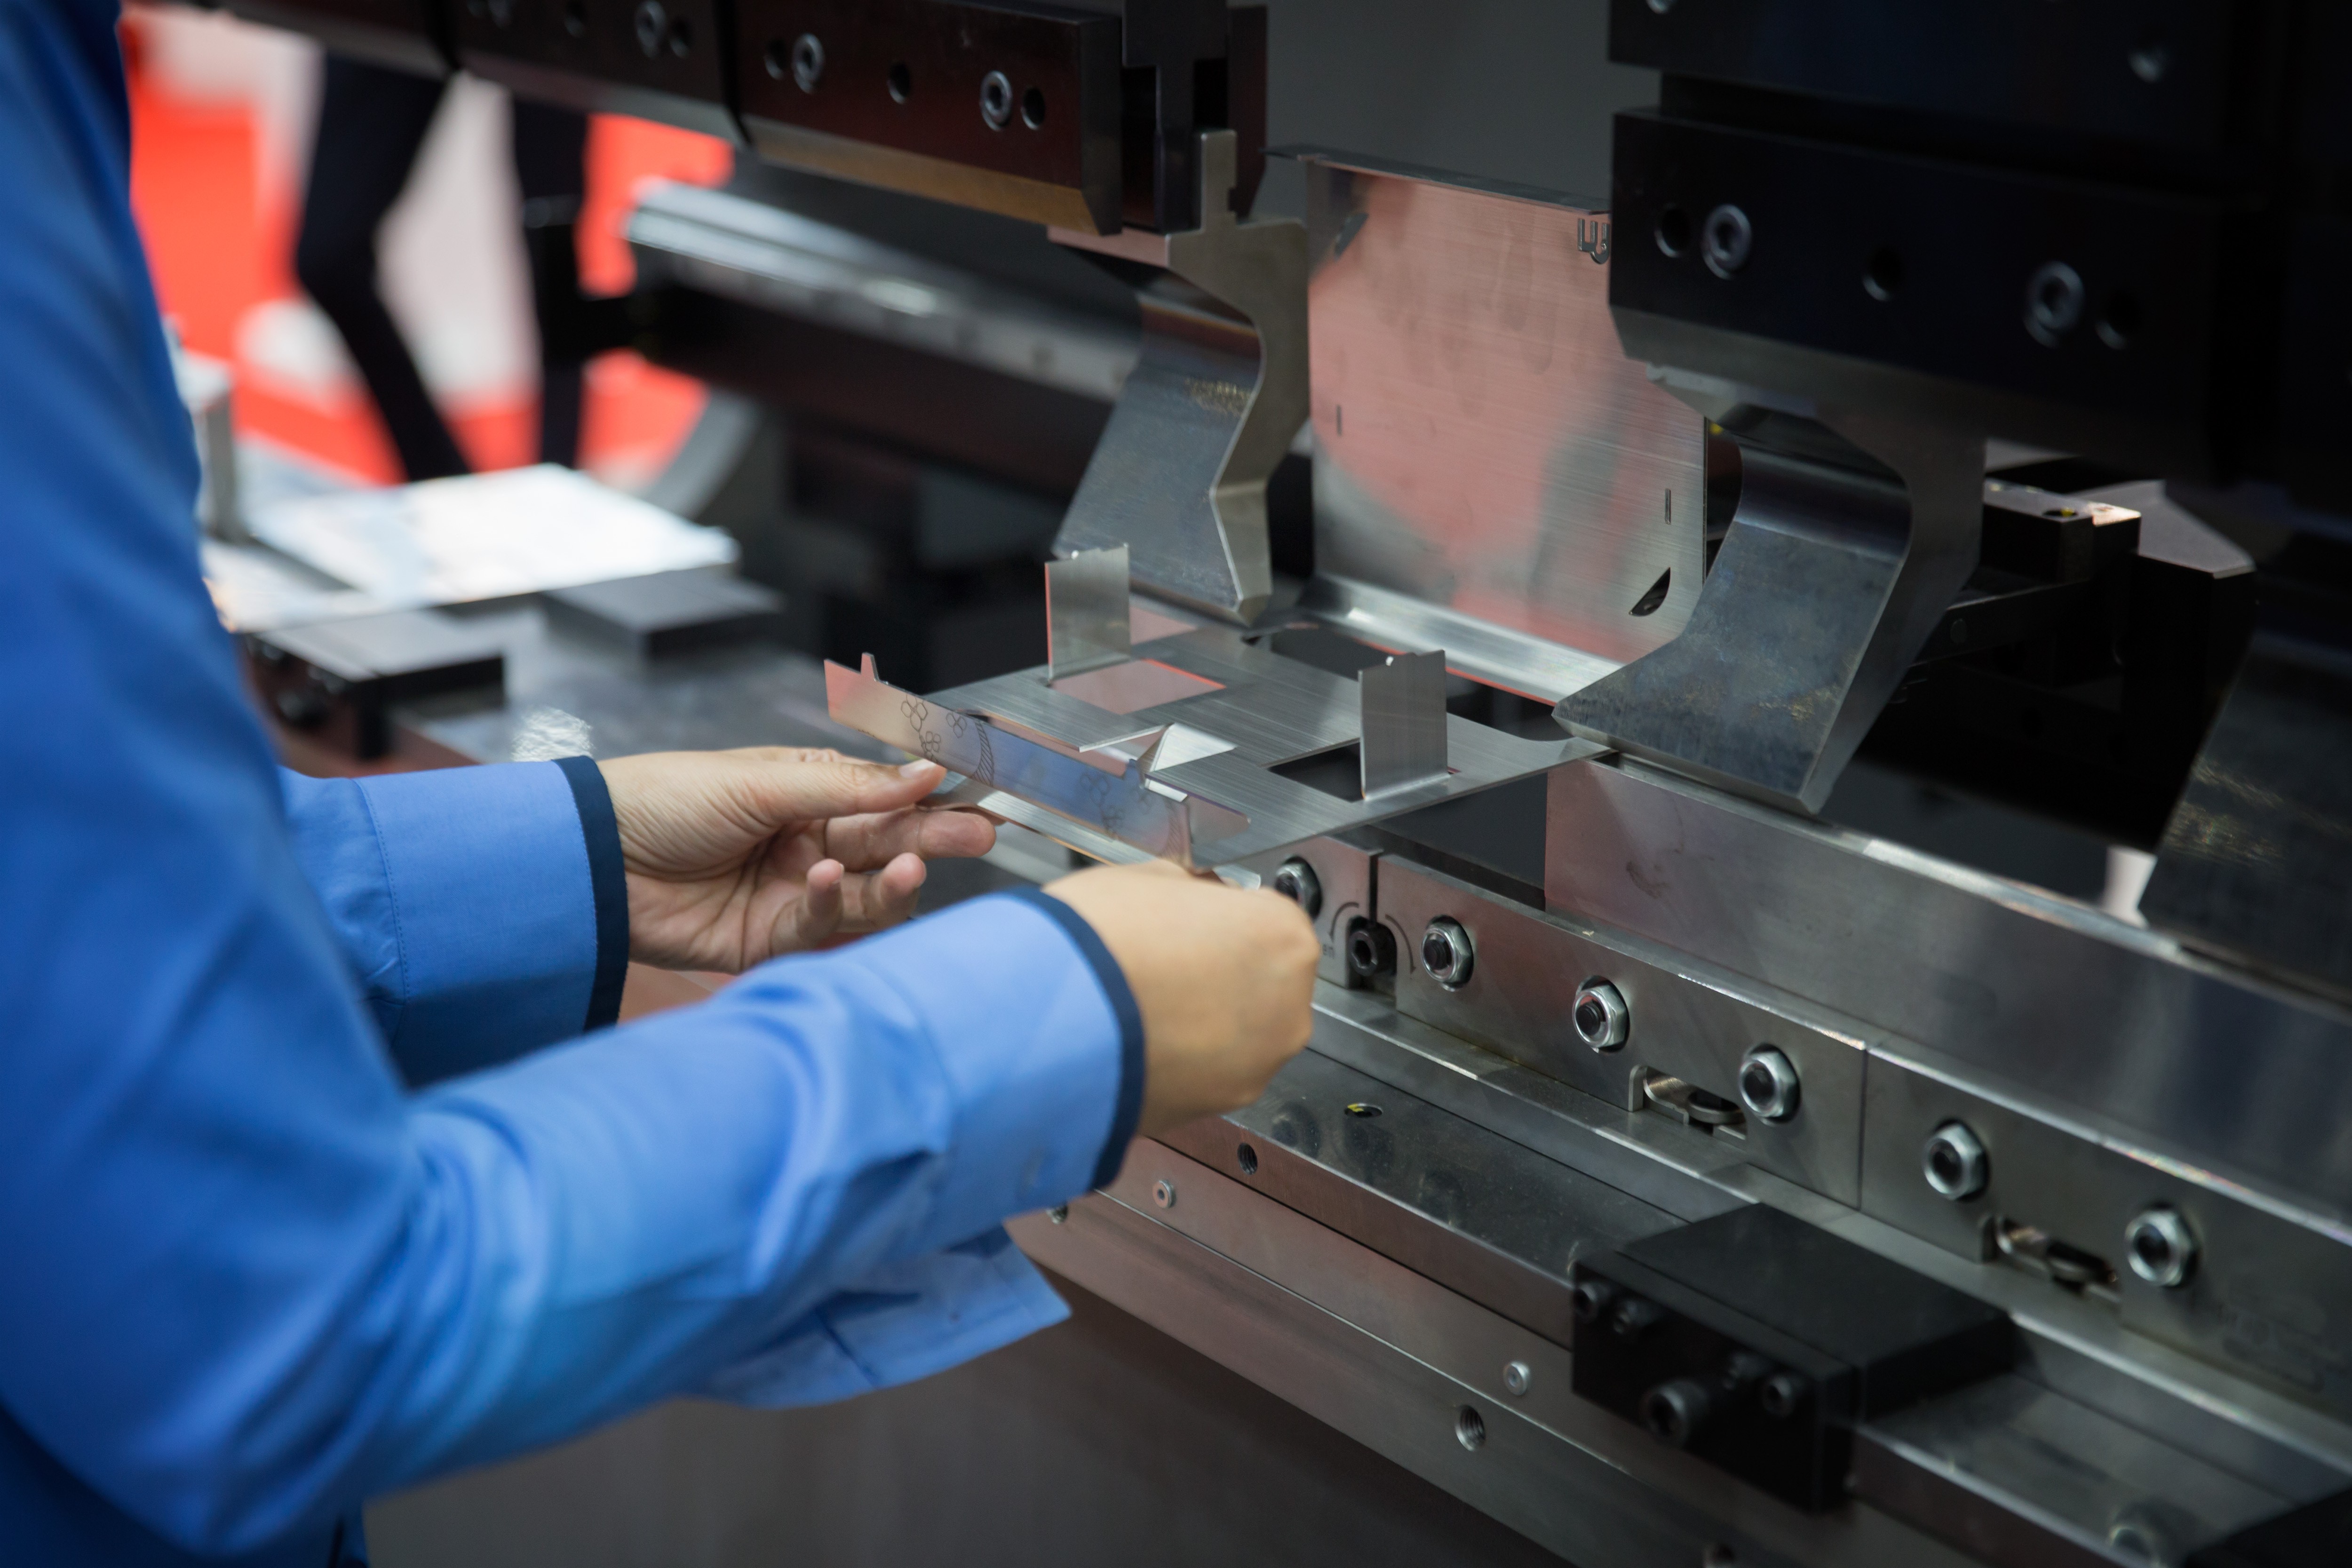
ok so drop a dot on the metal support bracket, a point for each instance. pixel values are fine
(1211, 408)
(1853, 533)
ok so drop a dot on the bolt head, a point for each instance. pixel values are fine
(1447, 952)
(1602, 1019)
(1517, 1378)
(1781, 1395)
(1164, 1192)
(1674, 1411)
(2054, 303)
(996, 100)
(1725, 240)
(652, 21)
(1633, 1317)
(1769, 1085)
(1295, 879)
(2161, 1246)
(1371, 950)
(808, 62)
(1955, 1163)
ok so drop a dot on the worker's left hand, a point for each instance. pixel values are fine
(736, 856)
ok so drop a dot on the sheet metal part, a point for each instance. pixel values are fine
(1220, 750)
(1098, 787)
(1212, 405)
(1493, 476)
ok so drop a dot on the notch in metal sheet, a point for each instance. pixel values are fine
(1403, 721)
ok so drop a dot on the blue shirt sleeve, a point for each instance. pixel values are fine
(483, 911)
(252, 1275)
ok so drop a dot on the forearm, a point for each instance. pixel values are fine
(375, 1291)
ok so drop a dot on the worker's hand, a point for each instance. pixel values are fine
(1224, 979)
(736, 856)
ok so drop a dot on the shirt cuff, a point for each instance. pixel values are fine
(1113, 980)
(608, 877)
(494, 908)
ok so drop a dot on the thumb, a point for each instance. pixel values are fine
(813, 790)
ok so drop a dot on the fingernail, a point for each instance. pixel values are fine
(911, 769)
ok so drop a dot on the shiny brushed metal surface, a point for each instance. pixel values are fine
(1853, 533)
(2117, 1027)
(1485, 451)
(1211, 408)
(1087, 622)
(2270, 1296)
(1259, 710)
(1400, 722)
(1392, 1358)
(1689, 1019)
(1100, 788)
(763, 256)
(2073, 1485)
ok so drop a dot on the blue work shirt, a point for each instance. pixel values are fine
(303, 1195)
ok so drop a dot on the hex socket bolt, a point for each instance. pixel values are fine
(1768, 1084)
(1447, 953)
(2162, 1248)
(1675, 1412)
(1955, 1163)
(1781, 1394)
(1295, 879)
(1634, 1317)
(1590, 1299)
(1371, 950)
(1602, 1019)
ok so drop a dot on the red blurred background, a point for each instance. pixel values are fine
(219, 216)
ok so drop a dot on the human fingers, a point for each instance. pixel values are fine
(688, 812)
(864, 842)
(884, 898)
(813, 917)
(776, 784)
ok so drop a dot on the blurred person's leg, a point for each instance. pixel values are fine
(551, 148)
(371, 123)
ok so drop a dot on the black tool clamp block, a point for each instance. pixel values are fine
(1758, 1342)
(340, 679)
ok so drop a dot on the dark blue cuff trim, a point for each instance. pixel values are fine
(608, 880)
(1129, 1110)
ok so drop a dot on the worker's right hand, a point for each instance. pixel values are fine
(1224, 979)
